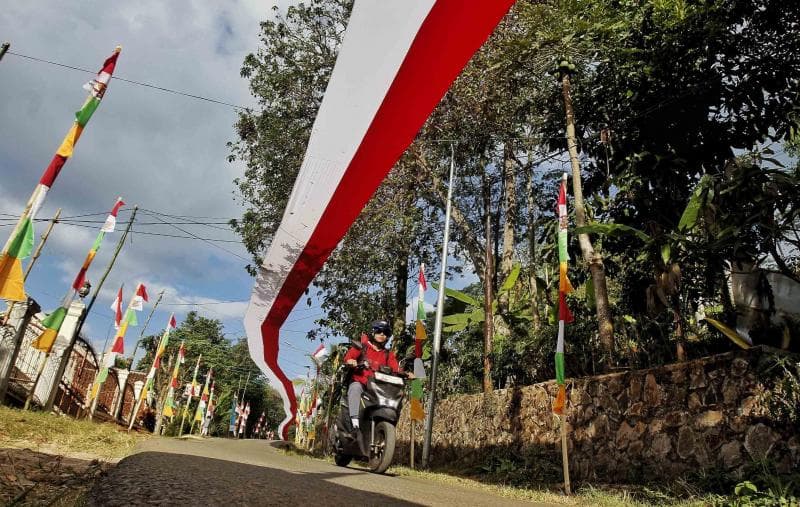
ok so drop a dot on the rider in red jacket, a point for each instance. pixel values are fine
(376, 355)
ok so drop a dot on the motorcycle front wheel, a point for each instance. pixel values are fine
(382, 453)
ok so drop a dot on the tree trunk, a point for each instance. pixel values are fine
(532, 253)
(592, 258)
(488, 294)
(509, 226)
(400, 294)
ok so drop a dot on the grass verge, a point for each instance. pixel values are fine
(606, 495)
(583, 495)
(63, 435)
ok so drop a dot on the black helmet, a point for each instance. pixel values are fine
(382, 326)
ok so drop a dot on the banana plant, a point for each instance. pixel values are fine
(475, 312)
(667, 284)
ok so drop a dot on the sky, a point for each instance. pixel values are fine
(161, 151)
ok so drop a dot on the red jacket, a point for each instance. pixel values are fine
(376, 359)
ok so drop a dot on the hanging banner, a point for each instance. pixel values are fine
(397, 60)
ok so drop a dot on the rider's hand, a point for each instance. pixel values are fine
(351, 362)
(410, 375)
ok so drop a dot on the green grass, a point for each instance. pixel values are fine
(64, 435)
(588, 495)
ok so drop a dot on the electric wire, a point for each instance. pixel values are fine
(131, 81)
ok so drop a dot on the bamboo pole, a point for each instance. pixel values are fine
(68, 351)
(144, 328)
(564, 453)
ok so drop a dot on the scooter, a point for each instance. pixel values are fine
(379, 411)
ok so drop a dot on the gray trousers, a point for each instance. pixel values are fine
(354, 391)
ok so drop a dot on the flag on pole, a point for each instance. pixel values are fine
(162, 345)
(200, 413)
(108, 226)
(12, 285)
(117, 307)
(52, 323)
(118, 345)
(320, 354)
(111, 220)
(169, 405)
(139, 298)
(417, 411)
(175, 383)
(193, 387)
(245, 415)
(564, 287)
(420, 334)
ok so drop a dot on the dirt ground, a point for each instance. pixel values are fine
(29, 477)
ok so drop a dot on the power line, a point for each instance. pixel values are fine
(209, 242)
(131, 81)
(191, 236)
(205, 304)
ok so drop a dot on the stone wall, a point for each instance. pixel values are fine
(637, 425)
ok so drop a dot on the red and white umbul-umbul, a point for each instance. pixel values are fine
(397, 60)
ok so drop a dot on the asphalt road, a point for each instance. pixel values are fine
(254, 472)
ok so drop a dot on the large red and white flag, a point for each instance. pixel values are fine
(397, 60)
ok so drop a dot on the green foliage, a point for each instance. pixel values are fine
(783, 399)
(476, 313)
(231, 363)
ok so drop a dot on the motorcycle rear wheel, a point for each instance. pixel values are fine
(381, 457)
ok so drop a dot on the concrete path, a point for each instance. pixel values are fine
(229, 472)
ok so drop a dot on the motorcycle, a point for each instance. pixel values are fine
(379, 411)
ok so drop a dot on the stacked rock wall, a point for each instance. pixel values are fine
(651, 424)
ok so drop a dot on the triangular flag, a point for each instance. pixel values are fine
(12, 286)
(52, 324)
(419, 369)
(130, 317)
(111, 219)
(139, 298)
(117, 307)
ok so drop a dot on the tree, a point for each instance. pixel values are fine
(230, 361)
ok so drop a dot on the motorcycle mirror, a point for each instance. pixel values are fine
(357, 343)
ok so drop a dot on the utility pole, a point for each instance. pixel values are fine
(437, 330)
(144, 328)
(4, 49)
(31, 310)
(68, 351)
